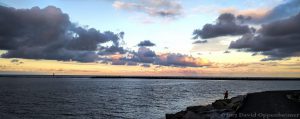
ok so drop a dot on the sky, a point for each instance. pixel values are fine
(251, 38)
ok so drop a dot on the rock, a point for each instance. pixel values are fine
(216, 115)
(194, 108)
(233, 106)
(170, 116)
(221, 104)
(178, 115)
(236, 102)
(237, 99)
(220, 109)
(295, 97)
(192, 115)
(199, 109)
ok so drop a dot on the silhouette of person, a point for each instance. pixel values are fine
(226, 95)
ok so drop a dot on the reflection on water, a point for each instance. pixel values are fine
(116, 98)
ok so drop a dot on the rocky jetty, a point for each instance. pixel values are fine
(220, 109)
(260, 105)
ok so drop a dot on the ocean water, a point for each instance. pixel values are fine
(86, 98)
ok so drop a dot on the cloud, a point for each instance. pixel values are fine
(265, 15)
(157, 8)
(145, 55)
(172, 59)
(109, 50)
(227, 24)
(146, 43)
(253, 13)
(200, 41)
(282, 11)
(48, 34)
(277, 40)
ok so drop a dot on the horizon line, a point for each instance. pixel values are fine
(150, 77)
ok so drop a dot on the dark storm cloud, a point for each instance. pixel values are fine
(48, 34)
(87, 39)
(146, 43)
(277, 40)
(34, 27)
(227, 24)
(115, 48)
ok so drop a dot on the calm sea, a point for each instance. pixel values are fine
(85, 98)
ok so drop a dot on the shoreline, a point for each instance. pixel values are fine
(156, 77)
(283, 104)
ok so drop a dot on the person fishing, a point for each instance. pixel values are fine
(226, 95)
